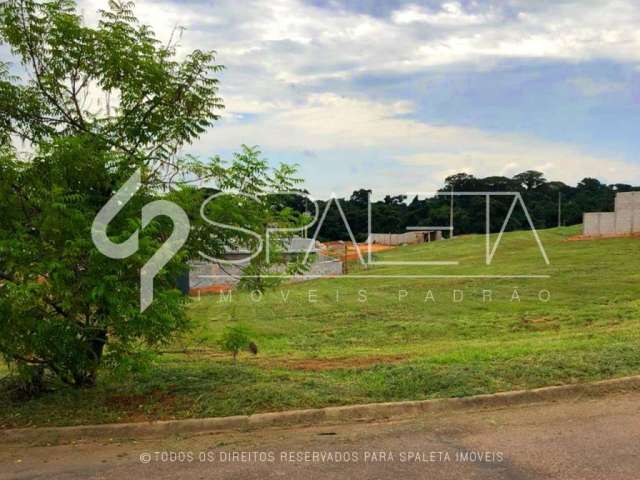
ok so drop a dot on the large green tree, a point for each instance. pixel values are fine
(84, 108)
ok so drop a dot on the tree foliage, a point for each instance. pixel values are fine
(394, 214)
(92, 105)
(115, 83)
(236, 338)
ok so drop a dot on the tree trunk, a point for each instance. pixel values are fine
(86, 377)
(32, 383)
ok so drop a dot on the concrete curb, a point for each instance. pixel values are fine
(328, 415)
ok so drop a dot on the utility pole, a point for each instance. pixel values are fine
(346, 251)
(451, 214)
(559, 209)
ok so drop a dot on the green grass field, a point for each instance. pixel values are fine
(364, 338)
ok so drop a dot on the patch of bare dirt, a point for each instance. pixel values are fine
(579, 238)
(305, 364)
(211, 290)
(537, 324)
(322, 364)
(347, 250)
(156, 405)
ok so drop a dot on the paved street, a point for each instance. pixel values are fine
(583, 439)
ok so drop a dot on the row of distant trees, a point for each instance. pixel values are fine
(541, 197)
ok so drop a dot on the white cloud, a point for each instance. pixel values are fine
(590, 87)
(420, 154)
(450, 14)
(290, 42)
(280, 55)
(278, 51)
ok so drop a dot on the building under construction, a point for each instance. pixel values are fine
(624, 220)
(407, 238)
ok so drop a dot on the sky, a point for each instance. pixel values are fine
(396, 95)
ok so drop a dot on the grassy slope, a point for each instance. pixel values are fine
(339, 351)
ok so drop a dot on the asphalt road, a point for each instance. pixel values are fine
(580, 439)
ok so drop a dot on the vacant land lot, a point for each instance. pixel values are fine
(366, 337)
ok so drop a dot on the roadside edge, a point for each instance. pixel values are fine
(327, 415)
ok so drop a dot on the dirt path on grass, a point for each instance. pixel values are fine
(321, 364)
(585, 439)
